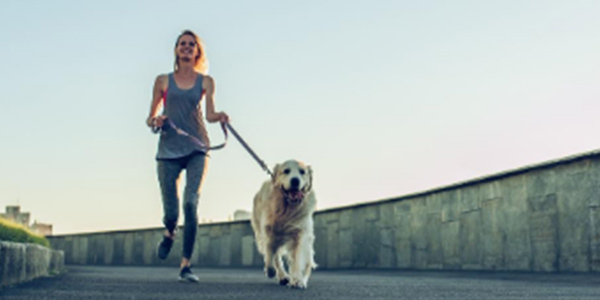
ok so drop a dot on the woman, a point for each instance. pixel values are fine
(180, 93)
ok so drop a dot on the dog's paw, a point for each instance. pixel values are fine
(284, 281)
(297, 284)
(270, 272)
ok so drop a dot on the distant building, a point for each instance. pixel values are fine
(14, 214)
(241, 214)
(41, 228)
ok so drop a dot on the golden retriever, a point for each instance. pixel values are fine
(282, 220)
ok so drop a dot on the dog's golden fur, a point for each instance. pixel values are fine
(282, 220)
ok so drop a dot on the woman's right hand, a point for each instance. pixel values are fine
(156, 122)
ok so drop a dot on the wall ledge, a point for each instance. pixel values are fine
(20, 262)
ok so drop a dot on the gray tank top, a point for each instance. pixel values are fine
(184, 109)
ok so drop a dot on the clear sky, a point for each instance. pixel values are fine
(381, 98)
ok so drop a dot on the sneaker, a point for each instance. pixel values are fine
(187, 275)
(164, 247)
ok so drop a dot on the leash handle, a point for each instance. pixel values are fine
(245, 145)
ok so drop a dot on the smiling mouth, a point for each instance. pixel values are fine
(293, 196)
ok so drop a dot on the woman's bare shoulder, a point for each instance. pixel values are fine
(208, 81)
(162, 80)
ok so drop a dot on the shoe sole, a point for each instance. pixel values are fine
(181, 279)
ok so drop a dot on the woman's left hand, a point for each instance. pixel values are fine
(223, 118)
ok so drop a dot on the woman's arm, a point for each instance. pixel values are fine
(160, 85)
(211, 116)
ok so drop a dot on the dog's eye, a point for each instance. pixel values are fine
(286, 171)
(302, 171)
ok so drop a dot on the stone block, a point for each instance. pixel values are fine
(371, 245)
(468, 198)
(450, 205)
(543, 224)
(149, 248)
(14, 265)
(575, 189)
(214, 251)
(118, 250)
(492, 235)
(451, 245)
(515, 191)
(225, 255)
(470, 240)
(330, 217)
(360, 247)
(419, 238)
(203, 242)
(346, 218)
(333, 245)
(541, 182)
(366, 239)
(83, 249)
(96, 249)
(490, 190)
(109, 248)
(371, 212)
(321, 246)
(345, 248)
(4, 263)
(515, 223)
(433, 202)
(204, 230)
(402, 234)
(236, 246)
(128, 248)
(69, 248)
(320, 220)
(595, 239)
(387, 257)
(248, 250)
(594, 183)
(434, 241)
(57, 262)
(138, 248)
(386, 215)
(37, 260)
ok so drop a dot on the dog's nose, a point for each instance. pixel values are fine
(295, 182)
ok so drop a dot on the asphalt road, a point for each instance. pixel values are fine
(90, 282)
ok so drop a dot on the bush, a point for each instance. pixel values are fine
(13, 232)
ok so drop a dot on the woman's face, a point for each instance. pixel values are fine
(186, 49)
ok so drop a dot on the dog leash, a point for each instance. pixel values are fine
(252, 153)
(193, 138)
(224, 127)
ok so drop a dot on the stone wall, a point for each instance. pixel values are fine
(20, 262)
(543, 217)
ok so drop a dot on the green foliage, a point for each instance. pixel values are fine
(13, 232)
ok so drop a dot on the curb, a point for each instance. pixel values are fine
(24, 262)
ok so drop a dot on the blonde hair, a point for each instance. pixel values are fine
(201, 63)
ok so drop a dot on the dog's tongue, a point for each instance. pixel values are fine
(295, 195)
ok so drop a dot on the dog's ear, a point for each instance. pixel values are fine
(276, 171)
(310, 175)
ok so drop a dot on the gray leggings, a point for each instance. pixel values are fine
(168, 177)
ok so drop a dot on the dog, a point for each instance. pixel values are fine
(282, 221)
